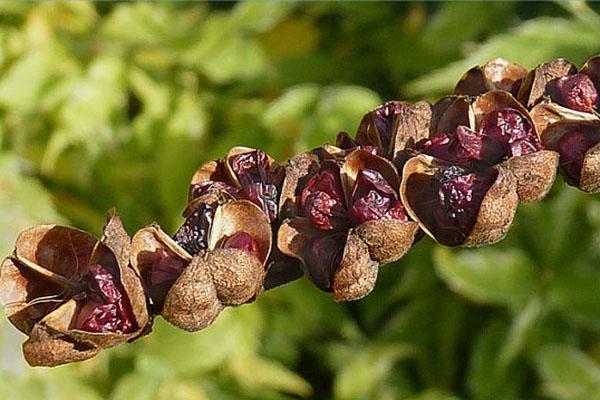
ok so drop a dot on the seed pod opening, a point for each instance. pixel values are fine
(499, 131)
(496, 74)
(535, 84)
(235, 246)
(389, 129)
(578, 144)
(456, 206)
(69, 291)
(340, 209)
(244, 174)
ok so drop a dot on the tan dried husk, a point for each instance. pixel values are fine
(496, 74)
(535, 173)
(496, 211)
(41, 260)
(215, 277)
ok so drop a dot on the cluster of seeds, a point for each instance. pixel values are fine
(455, 170)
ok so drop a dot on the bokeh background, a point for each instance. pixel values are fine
(107, 105)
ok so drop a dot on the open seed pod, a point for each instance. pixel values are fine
(537, 83)
(216, 259)
(578, 144)
(244, 174)
(560, 93)
(389, 129)
(492, 129)
(456, 206)
(496, 74)
(532, 165)
(347, 219)
(72, 294)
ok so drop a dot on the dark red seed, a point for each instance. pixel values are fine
(251, 167)
(192, 236)
(256, 179)
(374, 199)
(576, 92)
(242, 241)
(466, 148)
(448, 202)
(263, 195)
(322, 200)
(383, 121)
(323, 257)
(509, 126)
(572, 148)
(166, 268)
(108, 308)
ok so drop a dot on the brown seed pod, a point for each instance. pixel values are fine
(244, 174)
(389, 129)
(458, 207)
(578, 143)
(345, 218)
(568, 121)
(535, 171)
(496, 74)
(491, 129)
(72, 294)
(189, 290)
(534, 85)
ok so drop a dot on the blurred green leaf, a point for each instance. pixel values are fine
(576, 296)
(568, 374)
(531, 43)
(362, 375)
(504, 277)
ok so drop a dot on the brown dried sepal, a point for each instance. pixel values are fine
(41, 285)
(496, 211)
(535, 172)
(496, 74)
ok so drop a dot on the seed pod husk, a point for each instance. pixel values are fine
(534, 85)
(496, 74)
(535, 172)
(389, 129)
(571, 128)
(484, 223)
(491, 129)
(190, 291)
(49, 292)
(343, 253)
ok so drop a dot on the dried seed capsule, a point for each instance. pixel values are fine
(72, 294)
(346, 218)
(388, 129)
(568, 122)
(190, 290)
(499, 130)
(497, 74)
(244, 174)
(457, 206)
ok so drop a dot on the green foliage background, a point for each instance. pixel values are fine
(116, 104)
